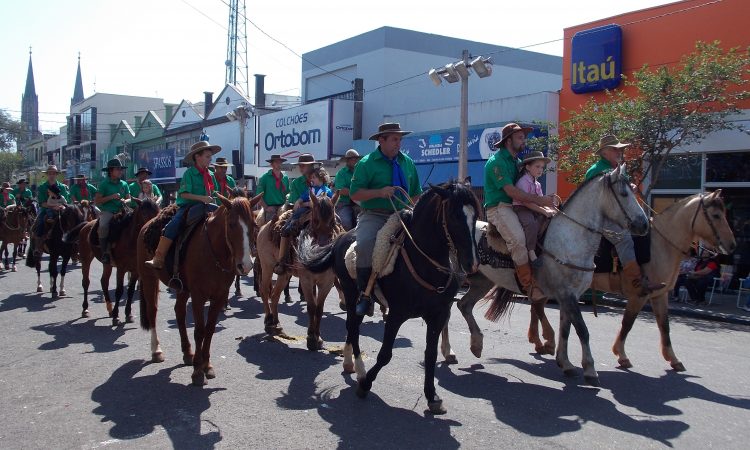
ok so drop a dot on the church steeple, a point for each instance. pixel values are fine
(78, 91)
(30, 106)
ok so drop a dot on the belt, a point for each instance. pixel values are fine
(380, 211)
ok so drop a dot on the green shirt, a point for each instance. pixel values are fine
(499, 171)
(108, 187)
(231, 184)
(267, 186)
(75, 192)
(298, 185)
(22, 198)
(192, 183)
(135, 189)
(375, 172)
(343, 180)
(601, 166)
(43, 196)
(11, 200)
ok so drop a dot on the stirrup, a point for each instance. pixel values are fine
(365, 305)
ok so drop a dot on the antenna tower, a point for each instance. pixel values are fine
(236, 62)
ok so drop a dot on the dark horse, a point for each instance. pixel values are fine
(424, 281)
(123, 233)
(65, 221)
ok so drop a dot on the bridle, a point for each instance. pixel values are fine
(18, 214)
(701, 207)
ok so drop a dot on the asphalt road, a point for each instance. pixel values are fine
(68, 382)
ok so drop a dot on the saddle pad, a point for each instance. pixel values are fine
(488, 256)
(381, 263)
(494, 239)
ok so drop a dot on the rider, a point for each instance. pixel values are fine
(7, 198)
(611, 152)
(110, 198)
(500, 177)
(374, 182)
(226, 182)
(274, 185)
(197, 186)
(345, 208)
(82, 190)
(135, 187)
(22, 193)
(318, 180)
(46, 210)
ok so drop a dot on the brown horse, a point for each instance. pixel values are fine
(218, 250)
(12, 231)
(124, 232)
(701, 216)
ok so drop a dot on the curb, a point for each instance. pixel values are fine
(693, 313)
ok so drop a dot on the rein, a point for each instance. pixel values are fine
(211, 247)
(18, 222)
(701, 206)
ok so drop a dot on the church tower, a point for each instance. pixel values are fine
(78, 90)
(29, 107)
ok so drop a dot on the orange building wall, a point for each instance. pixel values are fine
(659, 36)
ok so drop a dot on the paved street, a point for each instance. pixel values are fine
(68, 382)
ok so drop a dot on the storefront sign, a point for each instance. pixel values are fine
(160, 163)
(321, 128)
(596, 57)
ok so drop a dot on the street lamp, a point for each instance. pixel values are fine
(452, 73)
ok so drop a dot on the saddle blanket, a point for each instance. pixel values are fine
(381, 262)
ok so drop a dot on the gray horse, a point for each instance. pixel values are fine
(572, 239)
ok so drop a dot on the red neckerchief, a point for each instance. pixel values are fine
(84, 191)
(279, 185)
(208, 184)
(223, 189)
(6, 195)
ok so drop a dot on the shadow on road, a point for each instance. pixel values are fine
(32, 302)
(137, 405)
(102, 338)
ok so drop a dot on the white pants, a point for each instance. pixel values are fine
(507, 223)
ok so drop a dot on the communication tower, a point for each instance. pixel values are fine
(236, 62)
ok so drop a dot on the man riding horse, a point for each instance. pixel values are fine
(274, 185)
(376, 179)
(111, 197)
(226, 182)
(22, 193)
(6, 199)
(346, 209)
(47, 210)
(611, 152)
(82, 190)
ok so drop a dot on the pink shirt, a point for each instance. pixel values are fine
(529, 185)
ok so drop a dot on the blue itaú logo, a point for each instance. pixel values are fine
(596, 59)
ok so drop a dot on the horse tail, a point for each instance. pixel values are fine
(313, 257)
(501, 303)
(72, 235)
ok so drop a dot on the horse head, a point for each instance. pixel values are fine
(239, 230)
(710, 223)
(145, 210)
(322, 225)
(625, 209)
(70, 216)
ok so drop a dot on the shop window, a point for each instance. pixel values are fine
(680, 172)
(727, 167)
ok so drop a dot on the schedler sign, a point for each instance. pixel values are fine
(322, 129)
(596, 59)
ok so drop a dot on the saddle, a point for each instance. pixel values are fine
(279, 222)
(606, 259)
(492, 249)
(117, 225)
(388, 242)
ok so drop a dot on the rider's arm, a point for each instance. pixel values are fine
(197, 198)
(523, 197)
(99, 199)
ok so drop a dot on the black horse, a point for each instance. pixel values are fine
(443, 222)
(65, 220)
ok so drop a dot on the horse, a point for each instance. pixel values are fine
(571, 242)
(260, 220)
(13, 231)
(88, 211)
(65, 220)
(218, 250)
(123, 232)
(438, 251)
(698, 217)
(322, 229)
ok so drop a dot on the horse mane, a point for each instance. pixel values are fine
(456, 191)
(580, 188)
(716, 202)
(153, 230)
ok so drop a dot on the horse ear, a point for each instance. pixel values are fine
(439, 190)
(255, 200)
(716, 193)
(313, 199)
(224, 201)
(335, 198)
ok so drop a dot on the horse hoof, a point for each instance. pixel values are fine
(157, 357)
(451, 359)
(199, 379)
(539, 349)
(129, 319)
(678, 367)
(569, 373)
(39, 289)
(625, 363)
(62, 293)
(210, 372)
(361, 392)
(312, 344)
(348, 367)
(55, 296)
(187, 359)
(342, 306)
(13, 269)
(476, 351)
(115, 321)
(592, 380)
(238, 293)
(549, 349)
(436, 408)
(85, 313)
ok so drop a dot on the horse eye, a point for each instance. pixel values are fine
(716, 216)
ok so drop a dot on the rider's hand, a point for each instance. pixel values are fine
(115, 196)
(387, 192)
(208, 199)
(545, 201)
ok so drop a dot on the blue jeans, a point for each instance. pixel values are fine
(173, 227)
(43, 215)
(346, 215)
(292, 222)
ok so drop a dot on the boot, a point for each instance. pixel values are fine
(365, 304)
(527, 282)
(639, 281)
(281, 266)
(106, 256)
(157, 262)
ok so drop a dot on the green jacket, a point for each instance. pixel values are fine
(298, 185)
(600, 166)
(21, 198)
(499, 171)
(374, 171)
(11, 200)
(76, 196)
(231, 184)
(343, 180)
(267, 186)
(192, 183)
(108, 187)
(42, 195)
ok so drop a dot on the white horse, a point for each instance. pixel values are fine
(570, 244)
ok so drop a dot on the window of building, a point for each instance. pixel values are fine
(728, 167)
(680, 172)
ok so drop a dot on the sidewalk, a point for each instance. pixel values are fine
(723, 308)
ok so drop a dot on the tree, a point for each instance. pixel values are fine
(10, 131)
(9, 162)
(670, 107)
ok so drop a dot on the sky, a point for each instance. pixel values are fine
(175, 49)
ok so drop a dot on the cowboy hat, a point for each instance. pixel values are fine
(199, 147)
(22, 181)
(6, 185)
(307, 158)
(80, 176)
(610, 140)
(143, 170)
(389, 128)
(276, 158)
(51, 168)
(508, 131)
(351, 153)
(533, 156)
(222, 162)
(114, 164)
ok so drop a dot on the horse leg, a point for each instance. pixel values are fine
(320, 300)
(132, 281)
(384, 355)
(633, 307)
(287, 295)
(149, 310)
(562, 346)
(353, 322)
(533, 333)
(237, 287)
(119, 287)
(180, 312)
(15, 256)
(63, 271)
(306, 283)
(256, 279)
(548, 333)
(106, 272)
(214, 309)
(661, 311)
(479, 287)
(435, 324)
(445, 344)
(85, 282)
(52, 269)
(199, 334)
(272, 322)
(39, 287)
(587, 359)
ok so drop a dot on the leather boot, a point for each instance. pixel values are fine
(365, 304)
(157, 262)
(106, 256)
(635, 277)
(527, 282)
(281, 266)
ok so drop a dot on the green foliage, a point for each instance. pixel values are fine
(670, 107)
(9, 162)
(10, 130)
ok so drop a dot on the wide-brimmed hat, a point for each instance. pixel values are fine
(533, 156)
(508, 131)
(610, 140)
(80, 176)
(389, 128)
(6, 185)
(51, 168)
(199, 147)
(222, 162)
(307, 159)
(114, 163)
(22, 180)
(275, 158)
(351, 153)
(143, 170)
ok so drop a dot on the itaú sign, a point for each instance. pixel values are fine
(596, 59)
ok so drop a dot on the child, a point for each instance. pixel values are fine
(147, 191)
(530, 215)
(54, 196)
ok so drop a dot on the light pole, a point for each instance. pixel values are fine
(453, 72)
(242, 113)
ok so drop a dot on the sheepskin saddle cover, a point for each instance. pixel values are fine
(381, 262)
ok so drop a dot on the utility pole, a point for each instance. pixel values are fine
(463, 141)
